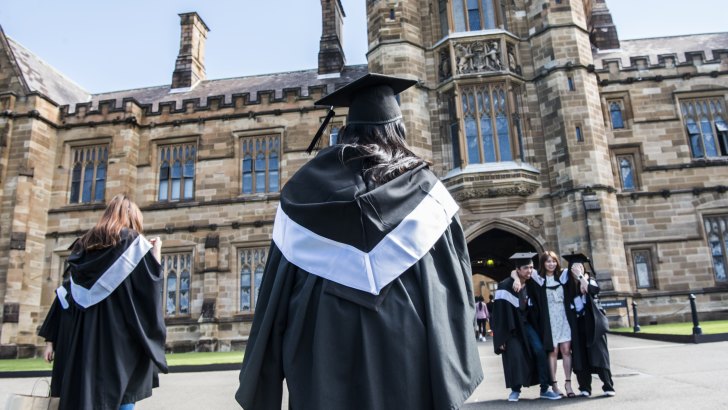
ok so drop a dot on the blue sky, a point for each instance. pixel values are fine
(117, 45)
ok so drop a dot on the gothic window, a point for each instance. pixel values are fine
(472, 15)
(642, 262)
(616, 115)
(252, 263)
(488, 132)
(716, 229)
(444, 26)
(177, 172)
(177, 269)
(627, 172)
(88, 174)
(260, 164)
(705, 125)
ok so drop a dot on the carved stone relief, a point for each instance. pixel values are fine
(478, 57)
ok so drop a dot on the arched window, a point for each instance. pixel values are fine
(626, 171)
(260, 164)
(252, 265)
(615, 111)
(184, 292)
(177, 172)
(171, 301)
(705, 127)
(88, 174)
(177, 270)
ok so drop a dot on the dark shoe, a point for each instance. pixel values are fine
(567, 386)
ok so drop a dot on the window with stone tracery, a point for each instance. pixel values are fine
(491, 129)
(716, 230)
(177, 172)
(706, 127)
(252, 264)
(177, 269)
(260, 164)
(88, 174)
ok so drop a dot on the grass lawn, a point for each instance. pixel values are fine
(709, 328)
(173, 359)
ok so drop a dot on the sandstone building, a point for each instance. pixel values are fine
(550, 132)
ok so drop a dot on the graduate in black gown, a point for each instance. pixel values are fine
(106, 321)
(522, 332)
(589, 326)
(366, 301)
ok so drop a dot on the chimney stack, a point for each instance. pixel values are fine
(189, 68)
(331, 58)
(603, 31)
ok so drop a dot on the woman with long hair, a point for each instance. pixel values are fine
(105, 328)
(555, 280)
(368, 276)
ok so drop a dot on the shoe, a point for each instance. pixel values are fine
(567, 386)
(610, 393)
(514, 396)
(584, 393)
(550, 395)
(555, 389)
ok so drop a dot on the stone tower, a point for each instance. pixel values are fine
(575, 141)
(189, 69)
(331, 60)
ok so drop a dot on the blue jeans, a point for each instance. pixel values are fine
(127, 406)
(542, 365)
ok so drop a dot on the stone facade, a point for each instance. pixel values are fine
(551, 133)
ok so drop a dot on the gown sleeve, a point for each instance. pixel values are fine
(144, 312)
(51, 324)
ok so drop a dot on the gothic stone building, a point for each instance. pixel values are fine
(549, 131)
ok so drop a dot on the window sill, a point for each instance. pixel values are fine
(94, 206)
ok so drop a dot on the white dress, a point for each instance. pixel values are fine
(560, 330)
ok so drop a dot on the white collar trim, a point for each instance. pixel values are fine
(112, 278)
(502, 294)
(372, 271)
(61, 293)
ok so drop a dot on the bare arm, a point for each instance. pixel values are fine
(156, 248)
(577, 270)
(48, 352)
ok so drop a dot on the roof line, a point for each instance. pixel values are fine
(675, 35)
(13, 60)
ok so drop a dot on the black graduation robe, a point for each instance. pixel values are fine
(519, 363)
(366, 301)
(592, 353)
(108, 327)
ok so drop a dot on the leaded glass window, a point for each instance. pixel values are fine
(615, 113)
(88, 174)
(626, 172)
(252, 265)
(177, 269)
(716, 229)
(177, 172)
(705, 125)
(260, 164)
(642, 262)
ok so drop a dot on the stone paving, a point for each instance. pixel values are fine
(647, 374)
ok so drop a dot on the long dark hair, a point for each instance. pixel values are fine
(121, 213)
(384, 149)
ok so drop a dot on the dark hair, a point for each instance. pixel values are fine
(542, 262)
(384, 149)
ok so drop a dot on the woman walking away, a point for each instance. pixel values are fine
(106, 323)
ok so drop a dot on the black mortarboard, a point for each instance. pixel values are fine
(371, 100)
(522, 258)
(573, 258)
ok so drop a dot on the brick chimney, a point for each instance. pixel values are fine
(190, 66)
(603, 31)
(331, 58)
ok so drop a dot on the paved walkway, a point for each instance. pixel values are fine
(647, 374)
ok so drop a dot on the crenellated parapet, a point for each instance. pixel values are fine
(662, 59)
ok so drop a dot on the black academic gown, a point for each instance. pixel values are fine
(56, 329)
(346, 318)
(592, 353)
(110, 337)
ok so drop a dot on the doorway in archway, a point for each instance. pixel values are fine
(489, 255)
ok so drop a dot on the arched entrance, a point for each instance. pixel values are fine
(489, 253)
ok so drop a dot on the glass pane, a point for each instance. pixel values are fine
(273, 173)
(642, 270)
(471, 137)
(489, 12)
(177, 169)
(172, 294)
(504, 139)
(458, 15)
(100, 188)
(189, 188)
(184, 292)
(88, 181)
(720, 124)
(694, 135)
(189, 171)
(260, 173)
(474, 15)
(486, 127)
(75, 183)
(247, 175)
(616, 113)
(163, 190)
(443, 18)
(708, 139)
(245, 288)
(334, 136)
(258, 281)
(626, 171)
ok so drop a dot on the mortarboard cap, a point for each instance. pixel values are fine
(573, 258)
(522, 258)
(371, 100)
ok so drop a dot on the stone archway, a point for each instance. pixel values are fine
(489, 253)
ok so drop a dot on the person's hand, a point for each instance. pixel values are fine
(48, 352)
(502, 347)
(517, 285)
(577, 270)
(156, 247)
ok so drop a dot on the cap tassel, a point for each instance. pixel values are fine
(320, 131)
